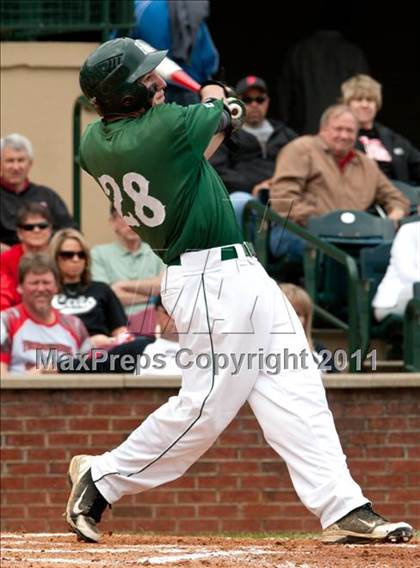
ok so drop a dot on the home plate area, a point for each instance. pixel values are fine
(62, 550)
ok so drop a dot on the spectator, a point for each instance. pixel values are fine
(312, 73)
(34, 225)
(16, 189)
(128, 265)
(93, 302)
(303, 306)
(34, 327)
(318, 174)
(396, 288)
(395, 155)
(247, 161)
(179, 27)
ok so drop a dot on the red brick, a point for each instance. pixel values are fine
(239, 467)
(45, 512)
(24, 440)
(258, 454)
(162, 524)
(27, 525)
(143, 512)
(263, 481)
(274, 467)
(66, 440)
(221, 482)
(12, 512)
(31, 468)
(106, 440)
(58, 467)
(279, 496)
(25, 497)
(197, 497)
(11, 454)
(399, 466)
(89, 424)
(218, 511)
(274, 525)
(413, 453)
(385, 452)
(123, 424)
(239, 496)
(12, 483)
(385, 481)
(241, 525)
(197, 526)
(254, 510)
(217, 453)
(405, 495)
(47, 454)
(176, 511)
(203, 467)
(49, 482)
(184, 482)
(158, 496)
(45, 424)
(242, 439)
(388, 423)
(404, 438)
(109, 410)
(11, 425)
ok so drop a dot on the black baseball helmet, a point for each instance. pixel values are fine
(109, 75)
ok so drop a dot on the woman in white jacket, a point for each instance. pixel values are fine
(396, 288)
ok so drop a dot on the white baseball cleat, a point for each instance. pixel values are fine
(85, 504)
(363, 526)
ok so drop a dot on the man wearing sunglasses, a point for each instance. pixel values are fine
(248, 160)
(16, 189)
(34, 227)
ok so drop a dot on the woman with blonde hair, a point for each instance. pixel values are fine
(95, 303)
(395, 155)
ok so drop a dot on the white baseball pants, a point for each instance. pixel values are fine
(227, 312)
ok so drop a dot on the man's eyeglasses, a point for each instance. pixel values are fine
(260, 99)
(69, 254)
(33, 226)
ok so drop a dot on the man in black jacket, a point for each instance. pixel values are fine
(248, 159)
(16, 189)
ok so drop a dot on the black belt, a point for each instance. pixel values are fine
(227, 252)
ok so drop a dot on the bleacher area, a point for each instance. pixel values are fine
(343, 265)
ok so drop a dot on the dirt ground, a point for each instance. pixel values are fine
(20, 550)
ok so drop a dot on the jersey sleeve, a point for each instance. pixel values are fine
(201, 121)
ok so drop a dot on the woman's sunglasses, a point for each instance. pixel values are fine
(69, 254)
(33, 226)
(260, 99)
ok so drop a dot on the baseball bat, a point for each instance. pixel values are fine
(171, 71)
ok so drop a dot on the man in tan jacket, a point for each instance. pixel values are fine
(318, 174)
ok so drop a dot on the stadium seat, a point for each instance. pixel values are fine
(412, 193)
(352, 231)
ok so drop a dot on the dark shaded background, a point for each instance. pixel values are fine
(253, 38)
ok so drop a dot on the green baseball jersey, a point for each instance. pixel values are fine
(152, 169)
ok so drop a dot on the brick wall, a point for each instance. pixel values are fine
(238, 485)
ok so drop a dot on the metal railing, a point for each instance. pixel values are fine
(34, 19)
(256, 220)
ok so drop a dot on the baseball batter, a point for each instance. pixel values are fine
(150, 159)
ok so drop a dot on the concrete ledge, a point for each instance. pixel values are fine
(85, 381)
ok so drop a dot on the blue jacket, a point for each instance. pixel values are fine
(153, 26)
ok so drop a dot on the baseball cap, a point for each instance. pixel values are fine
(251, 81)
